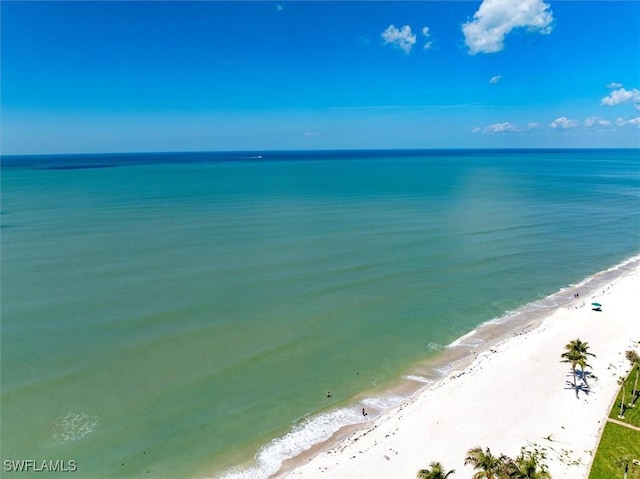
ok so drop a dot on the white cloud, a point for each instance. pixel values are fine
(596, 121)
(495, 19)
(402, 38)
(621, 96)
(633, 121)
(533, 126)
(311, 133)
(495, 79)
(614, 84)
(563, 122)
(500, 128)
(425, 32)
(477, 129)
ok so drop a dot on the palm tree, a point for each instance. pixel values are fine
(574, 358)
(623, 462)
(488, 465)
(529, 465)
(634, 359)
(435, 471)
(621, 383)
(581, 347)
(507, 467)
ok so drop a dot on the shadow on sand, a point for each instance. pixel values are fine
(582, 383)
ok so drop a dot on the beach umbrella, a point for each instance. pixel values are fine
(597, 305)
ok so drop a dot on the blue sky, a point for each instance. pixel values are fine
(184, 76)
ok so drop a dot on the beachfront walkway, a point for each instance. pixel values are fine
(615, 421)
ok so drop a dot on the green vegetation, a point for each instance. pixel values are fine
(618, 454)
(487, 465)
(434, 471)
(530, 464)
(634, 358)
(616, 443)
(631, 414)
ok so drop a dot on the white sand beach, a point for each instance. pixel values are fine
(514, 395)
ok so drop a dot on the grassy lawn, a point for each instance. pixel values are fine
(616, 441)
(631, 415)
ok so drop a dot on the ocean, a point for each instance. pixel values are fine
(191, 315)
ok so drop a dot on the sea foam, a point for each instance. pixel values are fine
(73, 426)
(309, 432)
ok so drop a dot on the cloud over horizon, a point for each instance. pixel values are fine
(496, 128)
(596, 121)
(495, 19)
(632, 121)
(563, 123)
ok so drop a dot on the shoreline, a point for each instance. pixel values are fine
(324, 432)
(387, 446)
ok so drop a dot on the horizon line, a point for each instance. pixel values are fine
(318, 150)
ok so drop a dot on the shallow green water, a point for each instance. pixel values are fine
(171, 317)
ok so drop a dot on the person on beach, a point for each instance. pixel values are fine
(364, 413)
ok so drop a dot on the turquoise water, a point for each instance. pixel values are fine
(167, 315)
